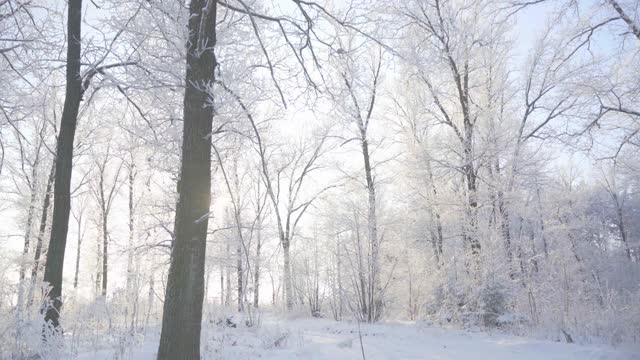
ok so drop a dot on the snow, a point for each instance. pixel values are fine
(325, 339)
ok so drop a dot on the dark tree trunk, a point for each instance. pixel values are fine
(182, 313)
(64, 157)
(27, 240)
(41, 232)
(31, 213)
(375, 287)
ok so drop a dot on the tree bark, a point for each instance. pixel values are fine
(505, 222)
(182, 312)
(77, 270)
(132, 275)
(64, 159)
(472, 191)
(240, 273)
(339, 278)
(105, 253)
(33, 185)
(227, 299)
(288, 286)
(436, 237)
(256, 276)
(98, 266)
(41, 232)
(130, 270)
(27, 235)
(373, 292)
(222, 303)
(375, 288)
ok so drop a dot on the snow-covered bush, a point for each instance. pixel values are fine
(492, 303)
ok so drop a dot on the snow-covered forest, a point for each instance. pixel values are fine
(363, 179)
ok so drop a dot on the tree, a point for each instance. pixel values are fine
(610, 88)
(105, 194)
(413, 128)
(447, 31)
(64, 157)
(81, 230)
(295, 168)
(259, 204)
(618, 196)
(360, 111)
(77, 84)
(182, 312)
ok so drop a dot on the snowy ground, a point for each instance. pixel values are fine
(325, 339)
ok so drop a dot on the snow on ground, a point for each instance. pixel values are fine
(329, 340)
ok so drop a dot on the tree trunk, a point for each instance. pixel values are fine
(105, 254)
(505, 222)
(240, 274)
(620, 223)
(98, 265)
(27, 236)
(41, 232)
(339, 278)
(375, 287)
(222, 303)
(436, 237)
(77, 270)
(227, 269)
(182, 313)
(545, 246)
(27, 245)
(472, 196)
(130, 252)
(256, 276)
(132, 274)
(288, 286)
(362, 278)
(64, 159)
(33, 186)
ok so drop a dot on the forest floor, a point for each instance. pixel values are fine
(325, 339)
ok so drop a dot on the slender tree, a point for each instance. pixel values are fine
(105, 194)
(362, 115)
(64, 158)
